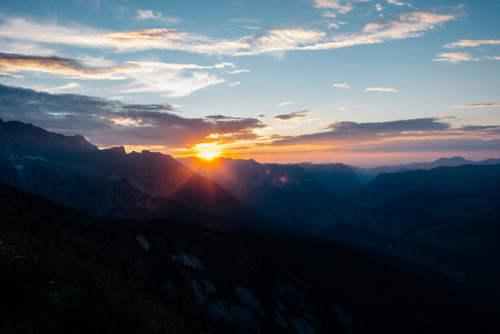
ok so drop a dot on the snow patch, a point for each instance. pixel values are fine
(202, 289)
(143, 241)
(302, 326)
(248, 299)
(279, 319)
(189, 260)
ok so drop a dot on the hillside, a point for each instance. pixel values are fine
(63, 271)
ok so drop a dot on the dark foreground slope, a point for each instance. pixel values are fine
(65, 272)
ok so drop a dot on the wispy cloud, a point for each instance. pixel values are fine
(55, 65)
(335, 6)
(293, 115)
(398, 3)
(454, 57)
(12, 76)
(172, 80)
(341, 85)
(285, 104)
(471, 43)
(148, 14)
(382, 89)
(406, 25)
(478, 105)
(332, 8)
(273, 41)
(59, 89)
(237, 71)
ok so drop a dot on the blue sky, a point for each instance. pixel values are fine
(356, 81)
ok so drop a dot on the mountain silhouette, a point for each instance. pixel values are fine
(113, 184)
(387, 186)
(287, 193)
(441, 162)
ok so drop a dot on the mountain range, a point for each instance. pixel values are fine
(143, 242)
(110, 183)
(441, 162)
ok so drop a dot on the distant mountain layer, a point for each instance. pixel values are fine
(288, 193)
(65, 272)
(110, 183)
(442, 162)
(265, 186)
(466, 177)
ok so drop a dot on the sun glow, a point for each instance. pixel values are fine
(207, 151)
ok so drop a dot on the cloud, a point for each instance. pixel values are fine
(379, 7)
(12, 76)
(55, 65)
(173, 80)
(478, 105)
(382, 89)
(398, 3)
(58, 89)
(224, 65)
(333, 7)
(471, 43)
(412, 135)
(285, 104)
(276, 40)
(337, 6)
(341, 85)
(108, 122)
(293, 115)
(454, 57)
(406, 25)
(349, 131)
(237, 71)
(271, 41)
(149, 14)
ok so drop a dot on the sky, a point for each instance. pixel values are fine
(363, 82)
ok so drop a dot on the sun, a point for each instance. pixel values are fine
(207, 151)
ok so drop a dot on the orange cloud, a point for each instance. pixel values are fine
(55, 65)
(478, 105)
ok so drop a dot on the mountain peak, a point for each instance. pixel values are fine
(460, 160)
(16, 136)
